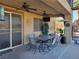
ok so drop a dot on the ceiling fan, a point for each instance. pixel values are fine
(27, 7)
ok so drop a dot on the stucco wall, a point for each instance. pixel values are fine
(28, 25)
(52, 25)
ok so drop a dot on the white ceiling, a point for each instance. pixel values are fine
(37, 4)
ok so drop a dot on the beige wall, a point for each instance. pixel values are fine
(28, 25)
(52, 25)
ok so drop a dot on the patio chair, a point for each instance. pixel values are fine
(32, 42)
(56, 39)
(44, 44)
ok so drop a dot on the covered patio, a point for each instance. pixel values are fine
(20, 23)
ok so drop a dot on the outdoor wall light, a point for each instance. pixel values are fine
(66, 23)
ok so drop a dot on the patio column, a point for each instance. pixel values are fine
(68, 28)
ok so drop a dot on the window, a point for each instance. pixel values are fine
(37, 24)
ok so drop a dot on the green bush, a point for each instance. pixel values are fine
(61, 31)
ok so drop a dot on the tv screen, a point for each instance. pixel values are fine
(46, 19)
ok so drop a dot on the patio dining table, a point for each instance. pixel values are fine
(45, 42)
(45, 37)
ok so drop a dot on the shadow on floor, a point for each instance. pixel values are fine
(22, 53)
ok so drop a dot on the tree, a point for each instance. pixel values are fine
(76, 6)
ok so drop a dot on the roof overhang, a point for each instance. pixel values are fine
(52, 7)
(61, 6)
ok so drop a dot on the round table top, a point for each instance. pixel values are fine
(43, 38)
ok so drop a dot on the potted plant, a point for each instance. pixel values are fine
(45, 29)
(63, 39)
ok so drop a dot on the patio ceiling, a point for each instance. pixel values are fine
(37, 4)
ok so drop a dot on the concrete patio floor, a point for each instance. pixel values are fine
(66, 51)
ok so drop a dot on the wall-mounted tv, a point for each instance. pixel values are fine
(46, 19)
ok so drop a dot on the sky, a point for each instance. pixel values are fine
(75, 15)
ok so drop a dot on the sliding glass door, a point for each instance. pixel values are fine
(10, 31)
(5, 32)
(16, 30)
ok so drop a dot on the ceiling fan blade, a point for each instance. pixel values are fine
(26, 7)
(17, 8)
(32, 9)
(27, 10)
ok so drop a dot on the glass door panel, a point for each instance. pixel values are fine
(5, 32)
(16, 30)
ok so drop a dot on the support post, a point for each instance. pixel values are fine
(68, 28)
